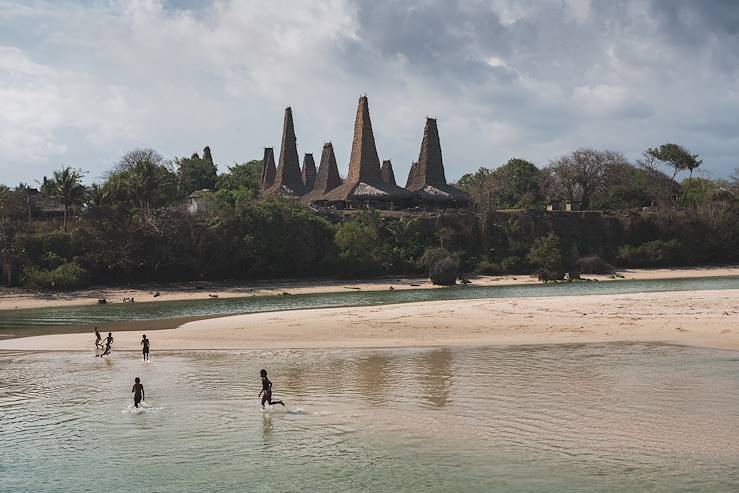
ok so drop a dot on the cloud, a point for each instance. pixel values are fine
(82, 82)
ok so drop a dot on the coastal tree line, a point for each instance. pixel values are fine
(133, 226)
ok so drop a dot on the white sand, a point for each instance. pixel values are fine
(702, 318)
(14, 299)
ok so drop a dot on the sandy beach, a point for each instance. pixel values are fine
(704, 318)
(20, 299)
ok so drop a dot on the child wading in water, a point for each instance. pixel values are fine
(108, 342)
(266, 392)
(138, 392)
(98, 338)
(145, 343)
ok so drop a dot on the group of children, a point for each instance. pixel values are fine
(138, 389)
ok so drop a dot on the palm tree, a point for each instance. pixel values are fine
(67, 187)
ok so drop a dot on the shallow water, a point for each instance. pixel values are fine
(595, 418)
(19, 323)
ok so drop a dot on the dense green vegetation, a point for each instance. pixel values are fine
(135, 226)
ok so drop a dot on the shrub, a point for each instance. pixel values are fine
(656, 253)
(485, 266)
(546, 253)
(593, 265)
(513, 265)
(445, 272)
(360, 249)
(431, 256)
(66, 276)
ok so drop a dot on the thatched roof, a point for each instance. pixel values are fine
(411, 174)
(426, 179)
(288, 181)
(328, 176)
(195, 155)
(364, 181)
(386, 172)
(207, 156)
(309, 171)
(268, 168)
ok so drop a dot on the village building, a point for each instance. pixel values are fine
(327, 178)
(268, 168)
(387, 174)
(309, 171)
(288, 180)
(364, 186)
(427, 180)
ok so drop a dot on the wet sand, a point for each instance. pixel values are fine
(19, 299)
(702, 318)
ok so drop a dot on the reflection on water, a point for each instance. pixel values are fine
(435, 376)
(607, 418)
(19, 323)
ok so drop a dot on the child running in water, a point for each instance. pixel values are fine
(108, 343)
(138, 392)
(145, 343)
(98, 337)
(267, 390)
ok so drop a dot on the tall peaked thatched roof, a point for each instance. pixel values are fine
(268, 168)
(411, 174)
(288, 180)
(309, 171)
(426, 179)
(327, 178)
(207, 156)
(364, 181)
(386, 172)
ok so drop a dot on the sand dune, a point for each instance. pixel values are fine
(704, 318)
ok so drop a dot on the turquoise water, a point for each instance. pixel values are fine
(567, 418)
(17, 323)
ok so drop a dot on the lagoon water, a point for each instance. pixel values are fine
(20, 323)
(569, 418)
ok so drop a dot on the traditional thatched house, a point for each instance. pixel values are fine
(207, 156)
(288, 181)
(364, 186)
(427, 180)
(411, 174)
(328, 176)
(268, 168)
(387, 174)
(309, 171)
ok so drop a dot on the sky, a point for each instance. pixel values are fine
(82, 82)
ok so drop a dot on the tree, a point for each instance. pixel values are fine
(360, 248)
(582, 173)
(546, 253)
(142, 180)
(676, 156)
(481, 187)
(516, 184)
(195, 174)
(246, 175)
(67, 187)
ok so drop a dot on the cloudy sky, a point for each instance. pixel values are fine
(81, 82)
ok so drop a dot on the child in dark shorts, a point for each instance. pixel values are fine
(266, 392)
(138, 392)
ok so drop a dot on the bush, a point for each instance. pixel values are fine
(485, 266)
(359, 249)
(546, 254)
(593, 265)
(445, 272)
(431, 256)
(66, 276)
(656, 253)
(513, 265)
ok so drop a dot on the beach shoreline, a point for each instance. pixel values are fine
(15, 299)
(704, 318)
